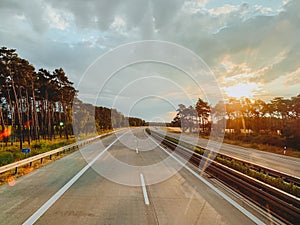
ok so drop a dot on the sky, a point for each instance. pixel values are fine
(244, 48)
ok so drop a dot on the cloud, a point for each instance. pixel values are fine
(226, 9)
(292, 78)
(32, 11)
(267, 45)
(249, 42)
(57, 18)
(169, 116)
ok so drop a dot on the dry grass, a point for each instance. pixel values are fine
(173, 129)
(267, 148)
(12, 153)
(15, 146)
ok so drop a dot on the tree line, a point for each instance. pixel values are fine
(38, 104)
(88, 118)
(34, 104)
(278, 118)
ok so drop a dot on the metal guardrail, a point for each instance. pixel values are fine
(30, 160)
(279, 203)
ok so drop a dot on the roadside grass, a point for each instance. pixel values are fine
(12, 153)
(264, 177)
(173, 129)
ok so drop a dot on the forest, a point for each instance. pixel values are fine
(38, 104)
(88, 118)
(273, 123)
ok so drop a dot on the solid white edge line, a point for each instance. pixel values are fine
(34, 217)
(223, 195)
(144, 190)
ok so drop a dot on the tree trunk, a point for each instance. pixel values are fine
(35, 122)
(59, 119)
(11, 110)
(66, 121)
(28, 123)
(3, 126)
(20, 128)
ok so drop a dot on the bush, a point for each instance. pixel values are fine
(148, 131)
(199, 150)
(6, 158)
(37, 145)
(273, 140)
(255, 139)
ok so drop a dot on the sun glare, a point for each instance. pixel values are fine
(241, 90)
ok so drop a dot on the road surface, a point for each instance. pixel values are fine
(88, 187)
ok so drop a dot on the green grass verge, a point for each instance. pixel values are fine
(264, 177)
(12, 153)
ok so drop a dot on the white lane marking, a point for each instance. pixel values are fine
(144, 190)
(136, 150)
(223, 195)
(32, 219)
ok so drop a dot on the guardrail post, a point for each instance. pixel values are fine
(41, 160)
(50, 157)
(16, 170)
(30, 164)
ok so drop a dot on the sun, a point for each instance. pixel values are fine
(246, 90)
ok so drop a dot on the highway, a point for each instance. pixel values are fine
(122, 179)
(286, 164)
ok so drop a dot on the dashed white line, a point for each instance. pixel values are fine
(32, 219)
(144, 190)
(136, 150)
(223, 195)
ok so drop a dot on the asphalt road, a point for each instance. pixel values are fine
(287, 164)
(104, 184)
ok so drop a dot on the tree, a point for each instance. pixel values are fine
(203, 111)
(66, 95)
(259, 111)
(183, 114)
(176, 122)
(295, 106)
(10, 67)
